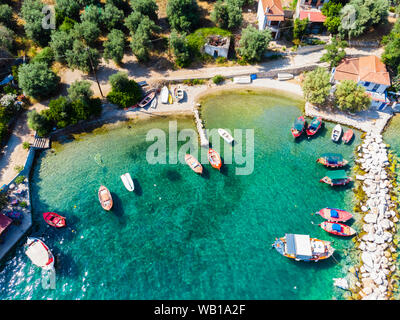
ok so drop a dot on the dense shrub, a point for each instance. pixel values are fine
(114, 46)
(6, 16)
(180, 48)
(317, 86)
(145, 8)
(46, 56)
(254, 43)
(124, 93)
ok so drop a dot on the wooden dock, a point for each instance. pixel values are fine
(41, 143)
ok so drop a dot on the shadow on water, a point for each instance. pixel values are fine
(65, 265)
(205, 174)
(118, 210)
(224, 170)
(173, 175)
(138, 188)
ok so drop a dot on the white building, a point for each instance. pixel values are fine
(368, 71)
(217, 46)
(270, 15)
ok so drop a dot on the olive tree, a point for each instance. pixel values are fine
(316, 86)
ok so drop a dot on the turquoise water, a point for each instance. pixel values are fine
(182, 236)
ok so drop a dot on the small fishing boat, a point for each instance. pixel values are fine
(105, 198)
(214, 158)
(336, 133)
(336, 178)
(146, 100)
(285, 76)
(338, 229)
(170, 100)
(303, 248)
(193, 163)
(332, 160)
(298, 127)
(154, 103)
(347, 136)
(53, 219)
(128, 182)
(39, 253)
(334, 215)
(179, 94)
(314, 126)
(226, 136)
(164, 95)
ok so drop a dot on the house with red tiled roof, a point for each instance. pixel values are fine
(311, 10)
(270, 15)
(368, 71)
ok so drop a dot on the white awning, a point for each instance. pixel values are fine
(38, 254)
(303, 245)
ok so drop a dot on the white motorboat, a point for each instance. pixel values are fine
(39, 253)
(226, 136)
(164, 95)
(336, 133)
(285, 76)
(179, 94)
(242, 80)
(154, 103)
(127, 181)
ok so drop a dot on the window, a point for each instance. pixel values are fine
(376, 87)
(366, 84)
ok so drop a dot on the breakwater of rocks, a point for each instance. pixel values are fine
(375, 277)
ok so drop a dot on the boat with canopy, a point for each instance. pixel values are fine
(335, 215)
(314, 126)
(39, 253)
(302, 247)
(332, 160)
(336, 178)
(338, 229)
(298, 126)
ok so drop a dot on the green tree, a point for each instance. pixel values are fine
(37, 80)
(119, 81)
(93, 13)
(87, 30)
(112, 17)
(60, 112)
(114, 46)
(68, 8)
(299, 28)
(80, 90)
(183, 15)
(331, 10)
(359, 15)
(6, 38)
(227, 15)
(253, 43)
(124, 93)
(334, 52)
(81, 56)
(145, 8)
(180, 48)
(6, 16)
(391, 54)
(316, 86)
(39, 123)
(61, 42)
(46, 56)
(351, 97)
(141, 43)
(32, 14)
(67, 25)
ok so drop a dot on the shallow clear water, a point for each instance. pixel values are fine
(182, 236)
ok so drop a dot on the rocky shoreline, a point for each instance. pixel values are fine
(375, 276)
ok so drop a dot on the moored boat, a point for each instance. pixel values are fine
(303, 248)
(334, 215)
(193, 163)
(214, 159)
(347, 136)
(128, 182)
(226, 136)
(298, 127)
(164, 95)
(314, 126)
(285, 76)
(338, 229)
(336, 133)
(147, 99)
(332, 160)
(179, 94)
(336, 178)
(39, 253)
(105, 198)
(154, 103)
(53, 219)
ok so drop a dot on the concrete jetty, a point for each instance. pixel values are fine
(200, 128)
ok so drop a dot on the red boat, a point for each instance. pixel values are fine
(54, 219)
(347, 136)
(314, 126)
(298, 127)
(214, 158)
(338, 229)
(334, 215)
